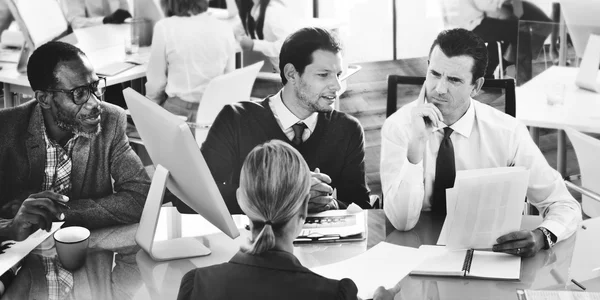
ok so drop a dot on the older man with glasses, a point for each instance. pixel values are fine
(67, 145)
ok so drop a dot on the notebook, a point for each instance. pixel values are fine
(114, 68)
(333, 226)
(470, 263)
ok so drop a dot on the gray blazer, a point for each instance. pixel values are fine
(95, 201)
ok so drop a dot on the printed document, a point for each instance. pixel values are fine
(383, 265)
(483, 205)
(19, 250)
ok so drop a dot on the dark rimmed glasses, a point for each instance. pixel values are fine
(81, 94)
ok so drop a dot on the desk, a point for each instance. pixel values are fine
(136, 276)
(101, 44)
(580, 111)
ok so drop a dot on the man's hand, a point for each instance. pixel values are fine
(320, 193)
(382, 294)
(524, 243)
(117, 17)
(518, 8)
(246, 43)
(37, 211)
(424, 118)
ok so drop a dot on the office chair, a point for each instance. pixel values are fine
(586, 148)
(491, 85)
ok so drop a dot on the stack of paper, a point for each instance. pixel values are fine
(383, 265)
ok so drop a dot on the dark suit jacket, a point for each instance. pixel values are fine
(94, 200)
(271, 275)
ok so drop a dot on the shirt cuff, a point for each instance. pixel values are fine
(556, 228)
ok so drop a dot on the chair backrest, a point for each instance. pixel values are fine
(587, 148)
(499, 93)
(222, 90)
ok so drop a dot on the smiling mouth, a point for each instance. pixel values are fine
(329, 98)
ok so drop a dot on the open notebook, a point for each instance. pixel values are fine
(442, 261)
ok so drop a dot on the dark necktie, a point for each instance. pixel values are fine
(298, 131)
(445, 173)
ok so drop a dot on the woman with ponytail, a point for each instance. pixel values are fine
(274, 191)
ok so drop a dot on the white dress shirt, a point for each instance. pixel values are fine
(483, 138)
(187, 53)
(279, 23)
(468, 14)
(285, 118)
(86, 13)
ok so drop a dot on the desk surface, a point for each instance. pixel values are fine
(136, 276)
(580, 111)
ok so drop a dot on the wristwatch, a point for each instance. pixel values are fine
(550, 238)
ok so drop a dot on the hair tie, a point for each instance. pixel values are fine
(268, 222)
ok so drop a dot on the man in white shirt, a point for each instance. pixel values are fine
(498, 20)
(87, 13)
(480, 137)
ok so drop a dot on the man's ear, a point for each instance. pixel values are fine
(290, 72)
(477, 86)
(43, 98)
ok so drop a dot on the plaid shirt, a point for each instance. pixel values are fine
(60, 281)
(57, 173)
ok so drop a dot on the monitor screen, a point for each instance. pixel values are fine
(582, 19)
(170, 143)
(40, 21)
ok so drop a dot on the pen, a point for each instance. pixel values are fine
(482, 249)
(61, 204)
(578, 284)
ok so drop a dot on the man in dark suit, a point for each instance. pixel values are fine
(67, 145)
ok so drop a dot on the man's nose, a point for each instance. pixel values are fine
(441, 87)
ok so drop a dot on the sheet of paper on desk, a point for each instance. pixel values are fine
(560, 295)
(488, 203)
(19, 250)
(383, 265)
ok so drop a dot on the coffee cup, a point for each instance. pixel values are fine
(71, 246)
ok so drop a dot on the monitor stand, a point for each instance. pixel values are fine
(169, 249)
(26, 51)
(587, 78)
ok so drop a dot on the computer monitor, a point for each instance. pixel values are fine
(180, 166)
(151, 12)
(582, 18)
(40, 21)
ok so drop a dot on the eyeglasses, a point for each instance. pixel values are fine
(81, 94)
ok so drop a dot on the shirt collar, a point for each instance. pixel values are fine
(464, 125)
(287, 118)
(271, 259)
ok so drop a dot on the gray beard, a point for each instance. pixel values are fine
(64, 123)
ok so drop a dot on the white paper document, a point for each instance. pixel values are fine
(560, 295)
(383, 265)
(19, 250)
(483, 205)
